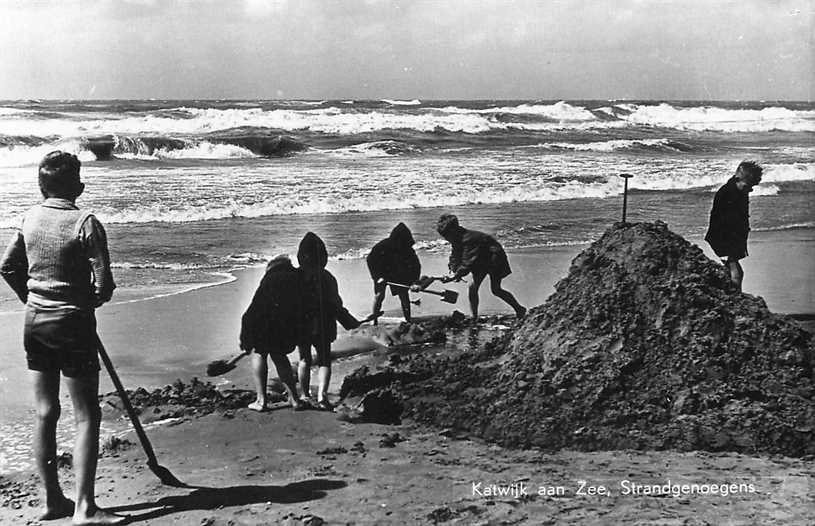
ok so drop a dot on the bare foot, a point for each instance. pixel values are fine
(98, 517)
(257, 406)
(63, 507)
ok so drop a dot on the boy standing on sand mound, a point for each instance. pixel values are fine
(480, 254)
(58, 265)
(730, 219)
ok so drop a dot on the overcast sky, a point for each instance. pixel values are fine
(427, 49)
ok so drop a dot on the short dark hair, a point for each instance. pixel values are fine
(59, 174)
(749, 172)
(447, 224)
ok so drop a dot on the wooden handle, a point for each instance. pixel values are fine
(131, 413)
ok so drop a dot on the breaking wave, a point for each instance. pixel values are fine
(712, 118)
(348, 119)
(621, 144)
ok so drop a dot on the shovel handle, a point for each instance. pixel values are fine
(408, 287)
(131, 413)
(235, 359)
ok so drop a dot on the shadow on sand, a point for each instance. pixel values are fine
(204, 498)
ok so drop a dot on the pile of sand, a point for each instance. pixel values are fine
(644, 345)
(178, 400)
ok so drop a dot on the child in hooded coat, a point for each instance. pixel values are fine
(393, 259)
(269, 328)
(480, 254)
(322, 309)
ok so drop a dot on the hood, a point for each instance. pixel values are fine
(280, 263)
(402, 236)
(312, 251)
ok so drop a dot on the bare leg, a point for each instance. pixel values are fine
(283, 367)
(84, 392)
(495, 287)
(323, 379)
(46, 395)
(304, 371)
(379, 297)
(404, 297)
(473, 293)
(736, 272)
(260, 373)
(323, 372)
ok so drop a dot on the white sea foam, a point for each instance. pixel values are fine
(791, 226)
(371, 149)
(203, 150)
(612, 145)
(711, 118)
(21, 155)
(559, 111)
(561, 115)
(392, 102)
(159, 266)
(777, 173)
(14, 111)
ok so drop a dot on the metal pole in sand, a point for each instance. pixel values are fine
(626, 177)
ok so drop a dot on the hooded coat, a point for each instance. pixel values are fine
(394, 259)
(473, 251)
(729, 221)
(271, 322)
(322, 305)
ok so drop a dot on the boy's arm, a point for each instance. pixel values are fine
(455, 257)
(14, 266)
(94, 239)
(376, 260)
(470, 253)
(414, 266)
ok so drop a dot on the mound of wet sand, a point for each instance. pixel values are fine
(180, 399)
(644, 345)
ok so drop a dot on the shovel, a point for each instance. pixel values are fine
(426, 281)
(447, 296)
(219, 367)
(161, 472)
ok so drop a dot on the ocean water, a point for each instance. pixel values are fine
(196, 189)
(190, 191)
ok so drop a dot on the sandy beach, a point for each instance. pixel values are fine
(634, 380)
(248, 468)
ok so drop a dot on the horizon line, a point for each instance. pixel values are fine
(382, 99)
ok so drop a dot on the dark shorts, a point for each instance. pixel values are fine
(496, 265)
(274, 350)
(323, 352)
(61, 341)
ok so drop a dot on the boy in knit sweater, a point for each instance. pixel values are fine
(58, 265)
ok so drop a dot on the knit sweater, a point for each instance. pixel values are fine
(59, 259)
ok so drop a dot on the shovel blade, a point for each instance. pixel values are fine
(449, 296)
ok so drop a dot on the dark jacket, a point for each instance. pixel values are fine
(476, 252)
(729, 222)
(394, 259)
(272, 320)
(322, 305)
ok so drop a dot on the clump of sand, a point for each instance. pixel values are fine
(179, 400)
(646, 345)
